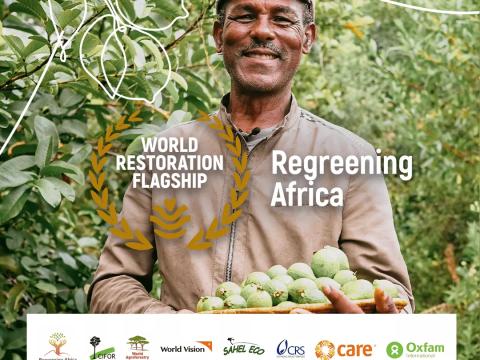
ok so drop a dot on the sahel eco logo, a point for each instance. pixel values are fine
(137, 348)
(413, 350)
(326, 350)
(241, 347)
(58, 341)
(191, 348)
(101, 354)
(287, 350)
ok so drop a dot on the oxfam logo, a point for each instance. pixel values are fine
(324, 350)
(394, 350)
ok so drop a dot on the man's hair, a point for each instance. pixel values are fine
(308, 11)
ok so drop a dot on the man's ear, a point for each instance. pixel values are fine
(218, 36)
(310, 36)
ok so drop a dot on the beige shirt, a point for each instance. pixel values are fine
(264, 235)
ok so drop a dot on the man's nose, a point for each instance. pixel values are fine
(262, 29)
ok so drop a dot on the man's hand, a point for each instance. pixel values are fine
(383, 303)
(185, 311)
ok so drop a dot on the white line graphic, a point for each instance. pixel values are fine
(437, 11)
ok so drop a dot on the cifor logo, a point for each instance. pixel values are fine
(284, 349)
(101, 354)
(241, 347)
(326, 350)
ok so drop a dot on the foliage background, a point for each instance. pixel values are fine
(406, 81)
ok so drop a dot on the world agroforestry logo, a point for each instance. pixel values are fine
(58, 341)
(242, 347)
(137, 349)
(326, 350)
(101, 354)
(395, 350)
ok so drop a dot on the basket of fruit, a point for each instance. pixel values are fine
(280, 290)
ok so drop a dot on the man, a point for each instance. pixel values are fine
(262, 43)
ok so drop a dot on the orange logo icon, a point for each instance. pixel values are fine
(324, 350)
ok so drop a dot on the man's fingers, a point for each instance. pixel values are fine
(300, 311)
(340, 302)
(384, 303)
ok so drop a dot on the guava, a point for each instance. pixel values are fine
(328, 261)
(227, 289)
(286, 304)
(277, 290)
(257, 277)
(249, 289)
(344, 276)
(326, 281)
(276, 270)
(207, 303)
(286, 279)
(235, 302)
(313, 296)
(297, 289)
(358, 289)
(259, 299)
(388, 287)
(300, 270)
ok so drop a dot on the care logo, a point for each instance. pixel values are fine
(242, 347)
(326, 350)
(137, 349)
(413, 350)
(108, 353)
(286, 350)
(57, 340)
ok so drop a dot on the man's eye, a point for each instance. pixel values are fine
(244, 18)
(282, 20)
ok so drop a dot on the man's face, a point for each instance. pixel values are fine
(262, 42)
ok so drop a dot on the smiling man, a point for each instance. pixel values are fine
(262, 42)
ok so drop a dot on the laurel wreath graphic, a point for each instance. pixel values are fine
(170, 220)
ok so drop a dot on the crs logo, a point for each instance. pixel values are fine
(285, 350)
(325, 350)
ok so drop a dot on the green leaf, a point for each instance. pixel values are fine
(68, 259)
(18, 163)
(79, 156)
(49, 288)
(88, 261)
(88, 242)
(14, 296)
(66, 17)
(9, 263)
(127, 9)
(31, 7)
(65, 189)
(48, 140)
(32, 46)
(80, 300)
(16, 44)
(13, 203)
(49, 192)
(36, 309)
(14, 178)
(69, 98)
(59, 167)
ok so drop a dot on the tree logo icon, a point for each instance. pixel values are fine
(94, 341)
(57, 340)
(138, 343)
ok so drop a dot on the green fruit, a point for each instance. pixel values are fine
(297, 289)
(328, 261)
(300, 270)
(276, 270)
(358, 289)
(257, 277)
(235, 302)
(207, 303)
(326, 281)
(286, 304)
(259, 299)
(313, 296)
(344, 276)
(286, 279)
(388, 287)
(277, 290)
(249, 290)
(227, 289)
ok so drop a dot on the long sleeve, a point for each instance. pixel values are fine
(124, 276)
(368, 234)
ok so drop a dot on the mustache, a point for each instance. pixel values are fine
(266, 45)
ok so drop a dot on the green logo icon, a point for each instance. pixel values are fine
(394, 350)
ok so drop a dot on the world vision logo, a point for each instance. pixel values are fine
(137, 349)
(101, 354)
(207, 345)
(57, 340)
(326, 350)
